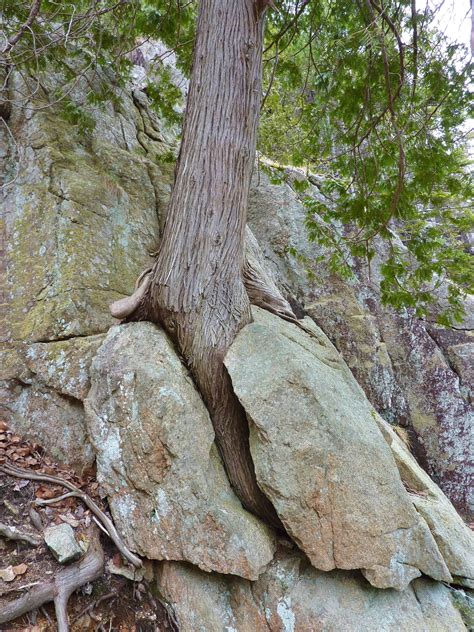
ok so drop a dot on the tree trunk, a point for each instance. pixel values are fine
(196, 288)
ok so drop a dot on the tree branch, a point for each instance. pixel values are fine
(35, 7)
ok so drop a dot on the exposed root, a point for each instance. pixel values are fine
(260, 287)
(13, 533)
(59, 588)
(87, 500)
(138, 282)
(125, 306)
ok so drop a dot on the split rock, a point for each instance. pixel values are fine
(156, 458)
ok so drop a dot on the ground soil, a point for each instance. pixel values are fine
(111, 603)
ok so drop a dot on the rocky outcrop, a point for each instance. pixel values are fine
(415, 374)
(80, 219)
(291, 596)
(157, 461)
(84, 209)
(322, 460)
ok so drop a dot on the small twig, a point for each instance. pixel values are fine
(13, 533)
(45, 613)
(87, 500)
(93, 605)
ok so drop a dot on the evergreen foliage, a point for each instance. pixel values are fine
(368, 97)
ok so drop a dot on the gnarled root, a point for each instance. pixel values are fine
(259, 285)
(60, 587)
(125, 306)
(13, 533)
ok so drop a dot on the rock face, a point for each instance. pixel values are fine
(153, 438)
(414, 373)
(322, 460)
(455, 541)
(42, 386)
(78, 221)
(84, 209)
(293, 597)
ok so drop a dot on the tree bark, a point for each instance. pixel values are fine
(196, 289)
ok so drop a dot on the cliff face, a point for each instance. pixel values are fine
(79, 219)
(416, 374)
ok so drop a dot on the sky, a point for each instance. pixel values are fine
(454, 18)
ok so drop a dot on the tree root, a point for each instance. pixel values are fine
(87, 500)
(13, 533)
(60, 588)
(125, 306)
(261, 289)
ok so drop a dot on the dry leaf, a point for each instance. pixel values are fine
(3, 426)
(20, 569)
(69, 519)
(20, 484)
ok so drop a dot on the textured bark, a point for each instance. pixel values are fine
(196, 289)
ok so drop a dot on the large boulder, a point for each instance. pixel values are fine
(156, 458)
(321, 458)
(291, 596)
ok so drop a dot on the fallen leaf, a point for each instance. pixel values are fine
(3, 426)
(23, 451)
(20, 569)
(7, 574)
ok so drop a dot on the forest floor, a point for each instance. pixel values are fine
(121, 599)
